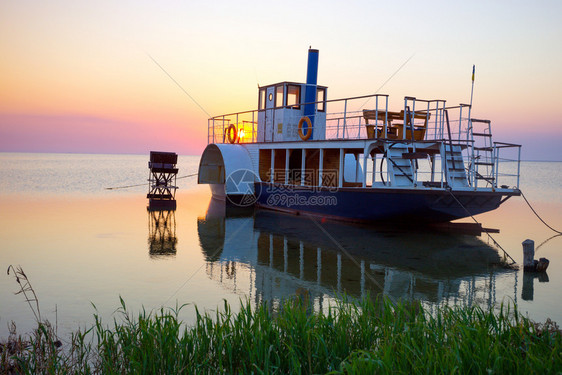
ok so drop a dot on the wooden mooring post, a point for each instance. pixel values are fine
(528, 255)
(532, 269)
(529, 262)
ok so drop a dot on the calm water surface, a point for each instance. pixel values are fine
(84, 246)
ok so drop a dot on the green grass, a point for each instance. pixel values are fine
(352, 338)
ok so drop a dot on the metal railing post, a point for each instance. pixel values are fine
(237, 129)
(518, 165)
(442, 123)
(404, 131)
(344, 117)
(436, 120)
(413, 119)
(495, 165)
(386, 119)
(223, 132)
(460, 122)
(376, 117)
(338, 129)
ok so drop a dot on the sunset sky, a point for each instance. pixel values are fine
(78, 76)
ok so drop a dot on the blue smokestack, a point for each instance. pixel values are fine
(311, 82)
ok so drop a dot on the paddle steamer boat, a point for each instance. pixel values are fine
(356, 159)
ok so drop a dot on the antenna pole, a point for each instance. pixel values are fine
(471, 92)
(469, 133)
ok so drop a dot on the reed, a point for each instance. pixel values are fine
(368, 336)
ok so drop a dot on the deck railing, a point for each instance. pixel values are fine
(345, 121)
(368, 117)
(358, 117)
(245, 127)
(507, 153)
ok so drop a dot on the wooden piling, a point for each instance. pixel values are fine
(528, 255)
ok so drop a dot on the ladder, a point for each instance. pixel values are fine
(455, 172)
(483, 161)
(400, 170)
(454, 165)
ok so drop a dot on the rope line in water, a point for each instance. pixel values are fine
(540, 218)
(130, 186)
(476, 221)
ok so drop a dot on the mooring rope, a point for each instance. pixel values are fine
(540, 218)
(189, 175)
(476, 221)
(130, 186)
(124, 187)
(546, 241)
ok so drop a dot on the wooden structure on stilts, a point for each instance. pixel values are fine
(162, 181)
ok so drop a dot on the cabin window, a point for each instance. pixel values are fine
(278, 96)
(293, 96)
(321, 99)
(261, 104)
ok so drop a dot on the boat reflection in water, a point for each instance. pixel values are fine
(283, 255)
(162, 240)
